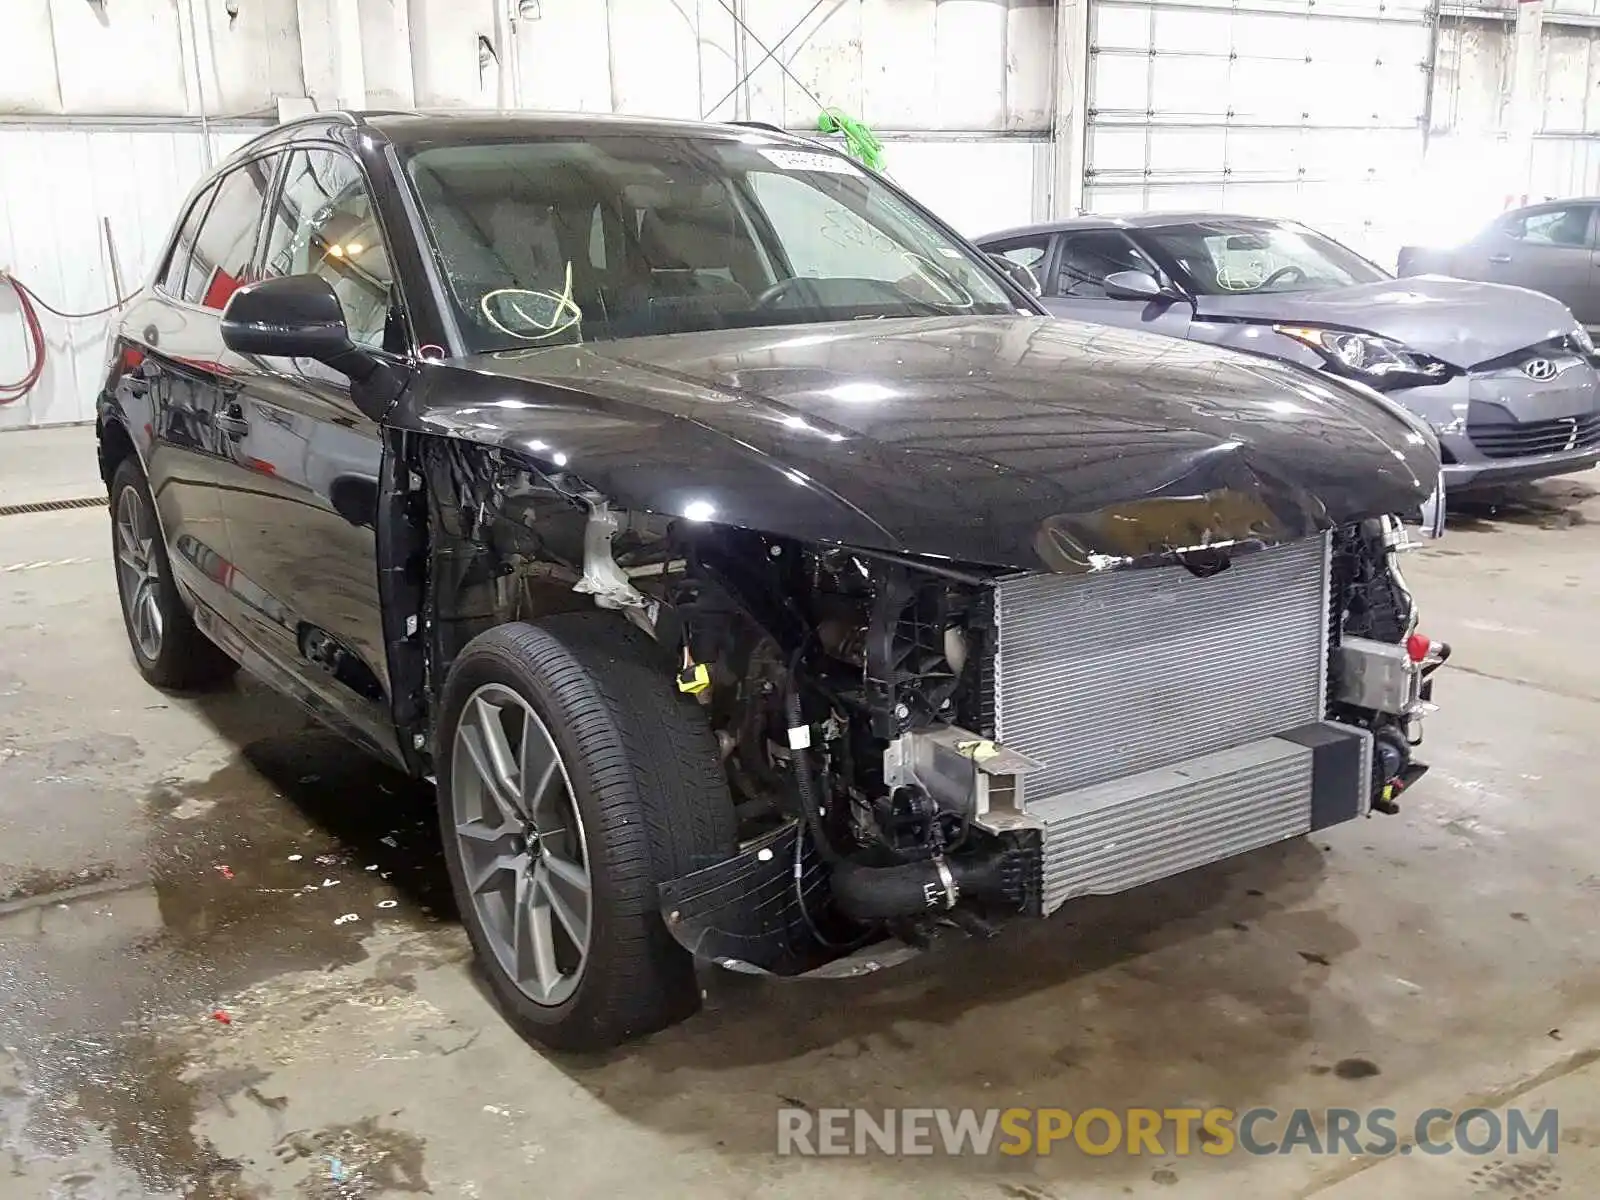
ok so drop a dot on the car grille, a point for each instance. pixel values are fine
(1104, 676)
(1516, 440)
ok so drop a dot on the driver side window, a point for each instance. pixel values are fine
(1088, 257)
(1553, 227)
(324, 224)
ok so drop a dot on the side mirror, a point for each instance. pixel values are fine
(1020, 275)
(1134, 285)
(294, 316)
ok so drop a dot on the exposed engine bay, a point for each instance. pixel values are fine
(916, 742)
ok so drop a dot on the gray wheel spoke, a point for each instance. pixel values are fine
(485, 835)
(539, 771)
(535, 941)
(494, 737)
(473, 740)
(154, 609)
(566, 886)
(494, 869)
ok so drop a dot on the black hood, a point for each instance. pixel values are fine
(1015, 441)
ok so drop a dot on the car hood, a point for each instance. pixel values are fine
(1018, 441)
(1460, 322)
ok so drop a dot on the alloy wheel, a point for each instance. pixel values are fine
(523, 848)
(140, 572)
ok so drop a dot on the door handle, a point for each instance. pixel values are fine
(232, 422)
(1500, 258)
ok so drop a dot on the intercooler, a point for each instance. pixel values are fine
(1158, 703)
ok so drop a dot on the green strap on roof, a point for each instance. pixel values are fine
(860, 143)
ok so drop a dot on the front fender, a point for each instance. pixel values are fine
(669, 465)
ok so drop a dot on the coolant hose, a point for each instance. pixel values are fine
(866, 893)
(907, 889)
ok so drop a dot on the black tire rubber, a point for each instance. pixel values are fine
(654, 801)
(188, 659)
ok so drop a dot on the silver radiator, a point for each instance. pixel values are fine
(1105, 676)
(1114, 836)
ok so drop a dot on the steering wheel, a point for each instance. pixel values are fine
(801, 283)
(1284, 273)
(782, 290)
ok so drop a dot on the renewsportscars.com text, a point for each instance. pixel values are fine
(1164, 1132)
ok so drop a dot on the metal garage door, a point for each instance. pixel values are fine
(1308, 109)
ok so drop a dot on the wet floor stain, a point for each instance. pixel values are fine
(36, 884)
(356, 1161)
(1547, 504)
(287, 859)
(1355, 1068)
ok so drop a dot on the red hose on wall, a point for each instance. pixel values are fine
(27, 299)
(30, 320)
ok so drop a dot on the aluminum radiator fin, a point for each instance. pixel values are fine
(1105, 676)
(1118, 835)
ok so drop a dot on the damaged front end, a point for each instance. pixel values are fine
(913, 742)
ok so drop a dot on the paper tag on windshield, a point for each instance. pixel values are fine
(808, 160)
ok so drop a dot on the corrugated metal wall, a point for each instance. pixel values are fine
(1314, 110)
(60, 184)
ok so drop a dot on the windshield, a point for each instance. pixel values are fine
(1225, 258)
(553, 241)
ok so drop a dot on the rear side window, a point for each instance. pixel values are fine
(178, 263)
(226, 245)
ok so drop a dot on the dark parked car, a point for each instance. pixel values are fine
(759, 574)
(1547, 247)
(1505, 378)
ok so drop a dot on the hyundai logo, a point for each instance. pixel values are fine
(1539, 368)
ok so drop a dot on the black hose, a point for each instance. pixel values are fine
(805, 782)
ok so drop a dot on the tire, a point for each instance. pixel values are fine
(179, 656)
(641, 771)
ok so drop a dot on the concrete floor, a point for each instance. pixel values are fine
(1442, 957)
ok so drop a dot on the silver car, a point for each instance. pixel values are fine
(1547, 247)
(1505, 376)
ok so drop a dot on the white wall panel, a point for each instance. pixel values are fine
(444, 53)
(978, 187)
(252, 58)
(1565, 166)
(127, 57)
(386, 53)
(28, 59)
(564, 56)
(51, 238)
(657, 33)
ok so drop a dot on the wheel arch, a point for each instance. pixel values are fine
(469, 537)
(114, 445)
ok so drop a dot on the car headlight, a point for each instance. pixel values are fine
(1378, 362)
(1581, 338)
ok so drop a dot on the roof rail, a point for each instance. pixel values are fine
(767, 125)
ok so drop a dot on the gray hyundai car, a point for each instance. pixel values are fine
(1505, 376)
